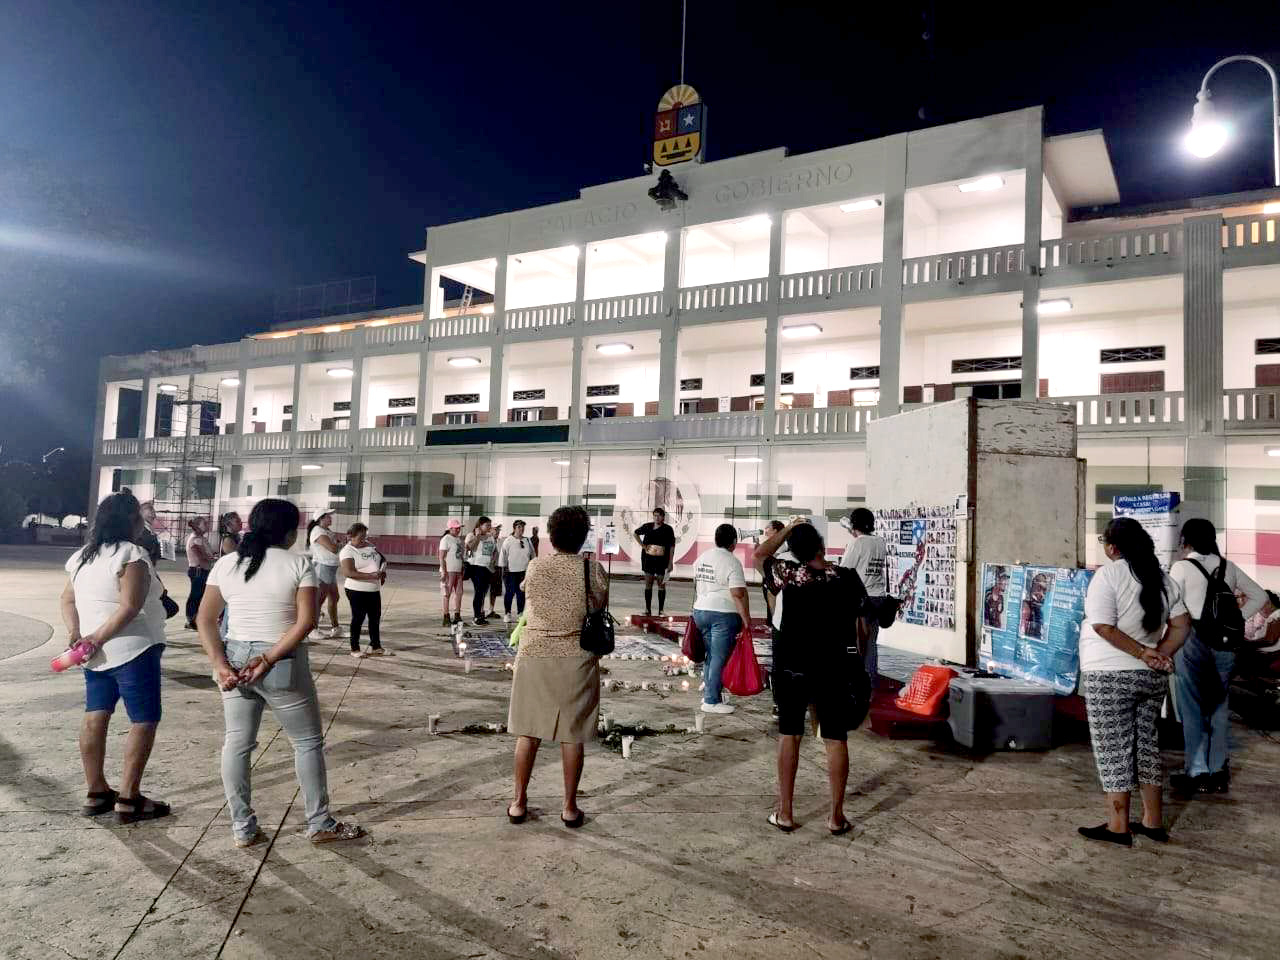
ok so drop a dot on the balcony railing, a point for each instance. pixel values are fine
(120, 448)
(1247, 234)
(273, 347)
(966, 265)
(1128, 412)
(323, 440)
(537, 318)
(725, 296)
(823, 422)
(1154, 243)
(266, 442)
(327, 342)
(633, 306)
(393, 333)
(162, 447)
(470, 325)
(622, 429)
(388, 438)
(837, 283)
(218, 353)
(1255, 407)
(718, 426)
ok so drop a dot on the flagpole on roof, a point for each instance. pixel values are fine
(684, 28)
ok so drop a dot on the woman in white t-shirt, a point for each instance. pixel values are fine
(1134, 622)
(324, 558)
(365, 570)
(452, 567)
(112, 603)
(720, 610)
(270, 595)
(513, 560)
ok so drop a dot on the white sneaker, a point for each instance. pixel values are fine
(334, 633)
(717, 708)
(506, 618)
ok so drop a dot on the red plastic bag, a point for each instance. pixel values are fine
(742, 675)
(927, 690)
(692, 646)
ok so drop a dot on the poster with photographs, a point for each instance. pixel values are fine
(1031, 618)
(921, 563)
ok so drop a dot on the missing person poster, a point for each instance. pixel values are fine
(1030, 617)
(920, 546)
(1157, 512)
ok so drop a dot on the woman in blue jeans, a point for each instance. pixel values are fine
(271, 593)
(720, 609)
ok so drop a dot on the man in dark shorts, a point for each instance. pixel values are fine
(657, 556)
(811, 660)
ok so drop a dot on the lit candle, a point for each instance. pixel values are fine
(433, 724)
(626, 747)
(697, 721)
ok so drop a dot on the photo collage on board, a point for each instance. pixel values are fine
(921, 562)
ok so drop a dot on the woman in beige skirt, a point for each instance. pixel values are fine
(555, 694)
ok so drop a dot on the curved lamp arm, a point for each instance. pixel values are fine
(1275, 100)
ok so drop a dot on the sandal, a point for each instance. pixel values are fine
(339, 831)
(138, 813)
(844, 828)
(784, 827)
(518, 817)
(104, 801)
(576, 822)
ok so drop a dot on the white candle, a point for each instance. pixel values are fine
(433, 724)
(697, 721)
(466, 666)
(626, 747)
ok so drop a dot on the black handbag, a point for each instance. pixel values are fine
(596, 636)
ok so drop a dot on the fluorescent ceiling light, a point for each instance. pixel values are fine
(759, 220)
(613, 349)
(464, 361)
(168, 388)
(340, 372)
(867, 203)
(801, 331)
(1058, 305)
(658, 237)
(332, 328)
(1271, 207)
(230, 381)
(561, 463)
(164, 470)
(311, 466)
(207, 469)
(982, 184)
(377, 323)
(745, 459)
(1272, 451)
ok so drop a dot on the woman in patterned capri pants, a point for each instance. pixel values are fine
(1134, 622)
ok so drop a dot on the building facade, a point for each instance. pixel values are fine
(722, 358)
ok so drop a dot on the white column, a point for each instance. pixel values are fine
(357, 386)
(669, 333)
(579, 328)
(1031, 255)
(242, 391)
(771, 325)
(891, 277)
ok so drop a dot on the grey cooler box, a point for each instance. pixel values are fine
(1000, 714)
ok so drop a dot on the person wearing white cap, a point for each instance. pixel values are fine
(324, 557)
(451, 567)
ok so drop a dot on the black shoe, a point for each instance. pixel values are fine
(1101, 832)
(1219, 782)
(480, 622)
(1158, 834)
(1184, 785)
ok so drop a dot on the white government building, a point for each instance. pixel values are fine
(724, 357)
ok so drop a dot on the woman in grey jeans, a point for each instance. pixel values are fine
(271, 597)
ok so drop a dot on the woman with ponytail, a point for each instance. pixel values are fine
(270, 595)
(1201, 673)
(1134, 622)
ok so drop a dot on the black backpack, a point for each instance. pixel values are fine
(1221, 624)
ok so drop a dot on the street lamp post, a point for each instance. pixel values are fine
(1208, 134)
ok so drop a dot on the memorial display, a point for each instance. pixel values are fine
(920, 544)
(1030, 620)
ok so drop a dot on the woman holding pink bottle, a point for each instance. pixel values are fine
(115, 621)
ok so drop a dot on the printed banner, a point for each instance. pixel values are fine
(920, 544)
(1031, 618)
(1157, 514)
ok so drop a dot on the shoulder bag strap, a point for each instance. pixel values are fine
(1203, 572)
(586, 582)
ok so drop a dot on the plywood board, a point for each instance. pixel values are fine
(1026, 427)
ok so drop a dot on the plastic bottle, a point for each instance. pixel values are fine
(72, 657)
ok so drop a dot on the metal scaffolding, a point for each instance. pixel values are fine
(185, 467)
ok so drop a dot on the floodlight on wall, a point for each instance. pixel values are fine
(332, 328)
(207, 469)
(377, 323)
(614, 349)
(560, 463)
(745, 459)
(1209, 133)
(464, 361)
(167, 388)
(311, 466)
(801, 331)
(981, 185)
(1057, 305)
(230, 381)
(1271, 207)
(759, 220)
(1272, 451)
(867, 203)
(666, 191)
(341, 373)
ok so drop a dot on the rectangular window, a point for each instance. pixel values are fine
(395, 491)
(1131, 354)
(692, 383)
(604, 390)
(597, 410)
(786, 379)
(337, 491)
(689, 406)
(1266, 493)
(1266, 345)
(986, 364)
(458, 399)
(865, 373)
(526, 414)
(519, 395)
(997, 390)
(402, 420)
(1133, 382)
(206, 486)
(396, 403)
(288, 408)
(460, 418)
(342, 404)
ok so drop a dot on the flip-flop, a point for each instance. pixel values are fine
(842, 829)
(518, 817)
(576, 822)
(104, 801)
(775, 822)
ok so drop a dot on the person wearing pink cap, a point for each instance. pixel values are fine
(451, 567)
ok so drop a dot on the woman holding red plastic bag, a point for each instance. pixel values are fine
(811, 662)
(720, 611)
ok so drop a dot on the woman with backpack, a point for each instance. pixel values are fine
(1209, 584)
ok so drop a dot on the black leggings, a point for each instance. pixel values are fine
(479, 577)
(198, 576)
(365, 603)
(513, 581)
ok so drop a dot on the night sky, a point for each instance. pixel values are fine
(166, 168)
